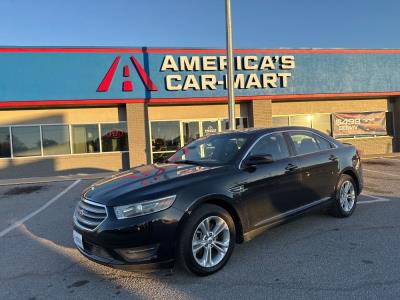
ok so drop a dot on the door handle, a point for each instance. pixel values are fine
(333, 157)
(291, 167)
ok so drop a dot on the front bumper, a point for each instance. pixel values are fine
(144, 242)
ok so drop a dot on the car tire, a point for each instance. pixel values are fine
(204, 251)
(345, 200)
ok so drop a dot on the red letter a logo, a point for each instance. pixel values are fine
(127, 84)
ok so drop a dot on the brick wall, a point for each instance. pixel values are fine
(138, 132)
(328, 106)
(195, 112)
(261, 113)
(371, 145)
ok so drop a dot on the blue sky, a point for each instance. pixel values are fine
(200, 23)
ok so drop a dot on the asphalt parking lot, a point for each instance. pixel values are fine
(314, 257)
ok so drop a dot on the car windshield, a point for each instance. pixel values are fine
(213, 149)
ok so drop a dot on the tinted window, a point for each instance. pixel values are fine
(85, 138)
(5, 149)
(323, 143)
(273, 144)
(26, 141)
(114, 137)
(304, 143)
(220, 148)
(55, 139)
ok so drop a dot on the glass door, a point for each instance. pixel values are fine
(191, 132)
(209, 127)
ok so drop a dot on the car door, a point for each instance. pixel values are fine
(270, 189)
(318, 165)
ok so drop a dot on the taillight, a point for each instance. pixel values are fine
(358, 153)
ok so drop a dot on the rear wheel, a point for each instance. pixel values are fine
(345, 198)
(207, 240)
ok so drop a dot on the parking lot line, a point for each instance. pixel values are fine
(374, 199)
(34, 213)
(383, 173)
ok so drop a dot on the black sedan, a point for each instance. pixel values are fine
(217, 191)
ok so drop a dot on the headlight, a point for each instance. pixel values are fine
(143, 208)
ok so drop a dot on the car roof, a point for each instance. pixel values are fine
(254, 131)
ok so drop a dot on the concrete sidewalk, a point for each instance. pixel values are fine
(377, 156)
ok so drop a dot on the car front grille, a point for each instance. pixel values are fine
(89, 215)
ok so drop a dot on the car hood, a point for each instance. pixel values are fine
(141, 183)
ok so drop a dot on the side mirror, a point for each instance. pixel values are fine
(255, 160)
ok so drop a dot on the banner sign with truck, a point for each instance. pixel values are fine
(356, 124)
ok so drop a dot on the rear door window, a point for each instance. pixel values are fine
(323, 143)
(304, 142)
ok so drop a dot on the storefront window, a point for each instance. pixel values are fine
(280, 121)
(5, 149)
(191, 132)
(55, 140)
(26, 141)
(301, 120)
(165, 136)
(241, 123)
(114, 137)
(210, 127)
(162, 157)
(322, 122)
(85, 138)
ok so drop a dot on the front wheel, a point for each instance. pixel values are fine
(346, 197)
(207, 240)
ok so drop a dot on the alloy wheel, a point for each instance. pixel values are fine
(347, 196)
(210, 241)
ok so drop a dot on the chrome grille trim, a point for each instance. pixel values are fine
(89, 215)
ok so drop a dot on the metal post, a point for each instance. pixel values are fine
(231, 92)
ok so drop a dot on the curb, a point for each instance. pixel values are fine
(380, 156)
(34, 180)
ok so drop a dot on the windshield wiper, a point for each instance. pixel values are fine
(185, 161)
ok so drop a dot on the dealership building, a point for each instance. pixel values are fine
(83, 110)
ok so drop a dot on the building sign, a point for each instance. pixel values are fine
(355, 124)
(252, 72)
(44, 76)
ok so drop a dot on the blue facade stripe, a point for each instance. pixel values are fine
(74, 76)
